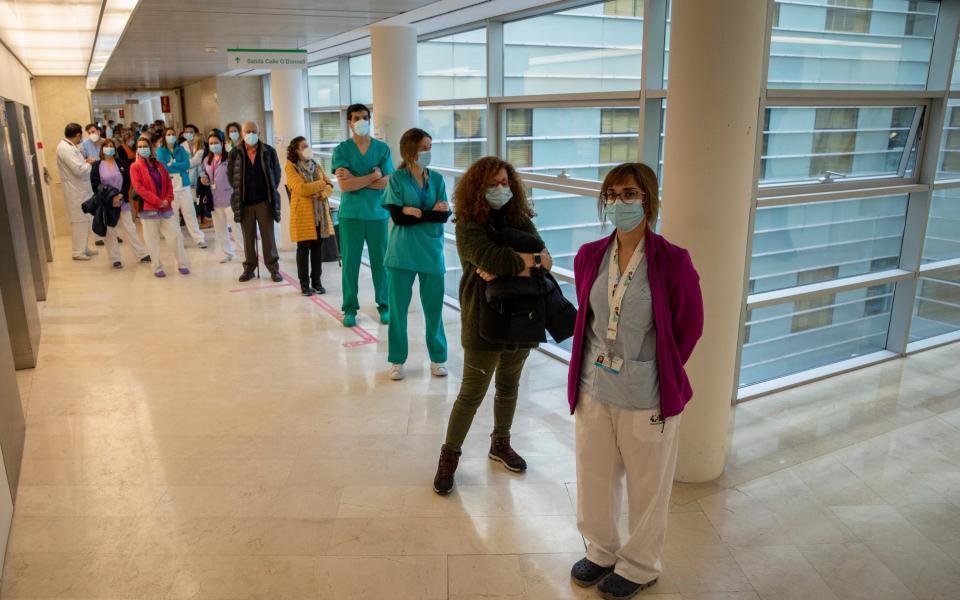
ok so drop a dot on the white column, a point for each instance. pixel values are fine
(716, 68)
(394, 56)
(157, 108)
(288, 96)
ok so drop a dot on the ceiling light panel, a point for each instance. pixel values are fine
(50, 37)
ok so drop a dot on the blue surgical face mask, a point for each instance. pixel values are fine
(171, 139)
(251, 139)
(144, 152)
(362, 128)
(188, 135)
(216, 148)
(625, 217)
(498, 196)
(108, 151)
(423, 159)
(234, 135)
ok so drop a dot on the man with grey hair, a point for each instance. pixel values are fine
(254, 172)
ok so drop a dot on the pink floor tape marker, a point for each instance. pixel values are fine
(259, 287)
(365, 336)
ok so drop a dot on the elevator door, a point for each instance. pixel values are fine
(38, 184)
(16, 276)
(29, 207)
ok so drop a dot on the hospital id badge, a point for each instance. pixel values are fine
(609, 363)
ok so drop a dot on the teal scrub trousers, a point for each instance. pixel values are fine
(431, 297)
(353, 234)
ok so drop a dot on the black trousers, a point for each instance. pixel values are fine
(254, 217)
(310, 262)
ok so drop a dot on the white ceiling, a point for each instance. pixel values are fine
(51, 37)
(164, 43)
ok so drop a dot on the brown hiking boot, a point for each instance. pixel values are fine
(501, 451)
(443, 482)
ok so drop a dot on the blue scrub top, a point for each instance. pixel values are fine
(416, 247)
(365, 204)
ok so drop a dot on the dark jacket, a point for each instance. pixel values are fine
(237, 164)
(124, 167)
(518, 310)
(477, 249)
(102, 208)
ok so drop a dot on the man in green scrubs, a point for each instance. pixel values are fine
(363, 167)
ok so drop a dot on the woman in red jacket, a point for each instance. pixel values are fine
(152, 184)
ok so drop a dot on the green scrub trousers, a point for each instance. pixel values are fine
(353, 234)
(431, 297)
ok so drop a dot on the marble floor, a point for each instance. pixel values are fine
(194, 438)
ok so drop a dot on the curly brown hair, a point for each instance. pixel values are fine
(470, 195)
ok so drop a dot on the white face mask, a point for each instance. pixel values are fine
(362, 128)
(307, 153)
(94, 137)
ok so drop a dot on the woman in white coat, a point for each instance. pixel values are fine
(75, 177)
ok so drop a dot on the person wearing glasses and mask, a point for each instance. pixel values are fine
(254, 173)
(417, 200)
(489, 197)
(362, 166)
(176, 160)
(640, 317)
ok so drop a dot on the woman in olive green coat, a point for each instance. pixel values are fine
(490, 196)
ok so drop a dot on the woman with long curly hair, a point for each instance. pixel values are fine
(488, 198)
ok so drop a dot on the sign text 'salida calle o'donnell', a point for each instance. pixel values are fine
(259, 58)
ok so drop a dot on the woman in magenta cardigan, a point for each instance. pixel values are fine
(640, 316)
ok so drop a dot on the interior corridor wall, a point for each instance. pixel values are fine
(200, 104)
(240, 99)
(60, 100)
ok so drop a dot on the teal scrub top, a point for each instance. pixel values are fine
(365, 204)
(416, 247)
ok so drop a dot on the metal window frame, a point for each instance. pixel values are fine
(919, 188)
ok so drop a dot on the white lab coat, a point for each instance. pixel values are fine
(75, 177)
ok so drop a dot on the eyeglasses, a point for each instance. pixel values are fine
(629, 196)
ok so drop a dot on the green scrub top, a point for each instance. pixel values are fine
(416, 247)
(363, 204)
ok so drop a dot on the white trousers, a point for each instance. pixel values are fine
(612, 443)
(222, 219)
(80, 233)
(183, 204)
(170, 227)
(130, 236)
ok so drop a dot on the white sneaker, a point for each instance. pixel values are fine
(90, 253)
(201, 245)
(226, 258)
(438, 370)
(82, 257)
(396, 372)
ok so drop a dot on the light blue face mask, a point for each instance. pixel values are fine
(171, 139)
(108, 151)
(144, 152)
(625, 217)
(498, 196)
(216, 148)
(188, 135)
(423, 159)
(362, 128)
(251, 139)
(234, 135)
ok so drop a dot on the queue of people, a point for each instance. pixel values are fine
(639, 315)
